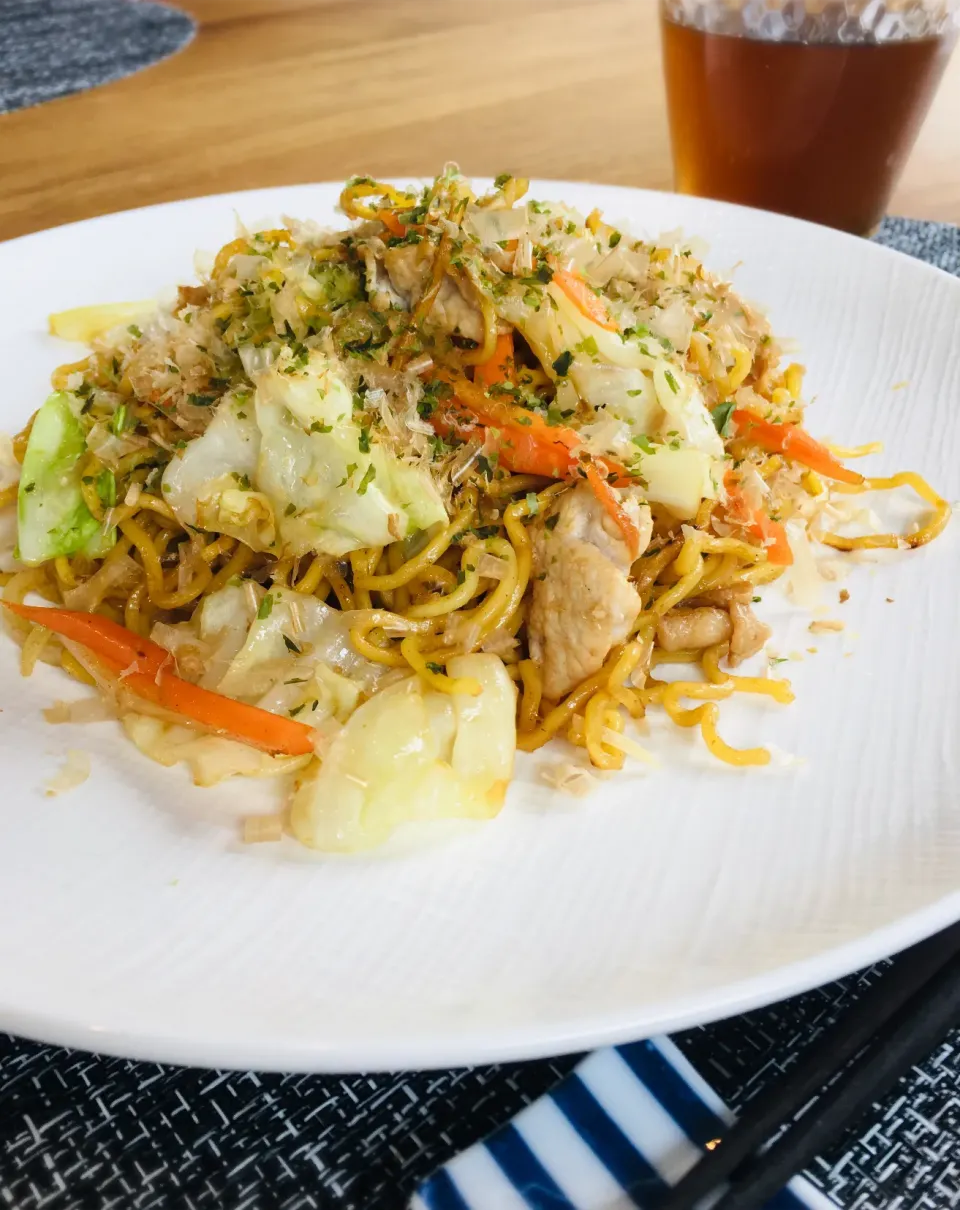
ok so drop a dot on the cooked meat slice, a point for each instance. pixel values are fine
(749, 633)
(583, 604)
(693, 629)
(409, 271)
(380, 288)
(453, 312)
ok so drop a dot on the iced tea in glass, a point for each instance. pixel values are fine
(806, 107)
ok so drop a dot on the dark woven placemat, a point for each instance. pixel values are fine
(78, 1130)
(51, 48)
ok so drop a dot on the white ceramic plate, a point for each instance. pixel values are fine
(135, 923)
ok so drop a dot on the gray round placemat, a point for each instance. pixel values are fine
(936, 243)
(80, 1130)
(51, 48)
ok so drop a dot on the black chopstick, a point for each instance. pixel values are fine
(917, 996)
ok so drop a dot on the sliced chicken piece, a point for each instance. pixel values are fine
(380, 289)
(408, 269)
(452, 311)
(693, 629)
(748, 633)
(583, 603)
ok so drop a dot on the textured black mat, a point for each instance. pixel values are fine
(51, 48)
(78, 1131)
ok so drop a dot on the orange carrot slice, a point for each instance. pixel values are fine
(143, 667)
(792, 442)
(586, 300)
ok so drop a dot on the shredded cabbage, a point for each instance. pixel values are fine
(293, 473)
(52, 517)
(411, 754)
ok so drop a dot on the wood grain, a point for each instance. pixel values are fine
(280, 91)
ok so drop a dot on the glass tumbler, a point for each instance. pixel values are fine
(806, 107)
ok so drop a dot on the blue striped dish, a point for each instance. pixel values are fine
(624, 1126)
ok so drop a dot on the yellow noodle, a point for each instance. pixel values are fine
(736, 375)
(793, 379)
(461, 595)
(684, 587)
(64, 572)
(597, 716)
(430, 553)
(341, 588)
(933, 528)
(134, 616)
(311, 579)
(32, 648)
(780, 691)
(70, 664)
(843, 452)
(709, 714)
(705, 717)
(512, 485)
(410, 650)
(498, 605)
(529, 707)
(400, 596)
(236, 565)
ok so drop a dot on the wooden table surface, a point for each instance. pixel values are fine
(280, 91)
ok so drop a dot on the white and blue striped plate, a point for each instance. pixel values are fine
(614, 1135)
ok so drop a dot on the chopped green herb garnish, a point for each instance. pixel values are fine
(291, 645)
(364, 440)
(551, 522)
(437, 668)
(615, 239)
(671, 381)
(368, 478)
(563, 363)
(722, 414)
(118, 421)
(266, 607)
(107, 488)
(134, 330)
(290, 509)
(643, 442)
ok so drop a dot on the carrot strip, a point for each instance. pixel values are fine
(392, 222)
(224, 715)
(587, 301)
(142, 667)
(527, 445)
(500, 366)
(772, 535)
(531, 442)
(792, 442)
(105, 638)
(608, 498)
